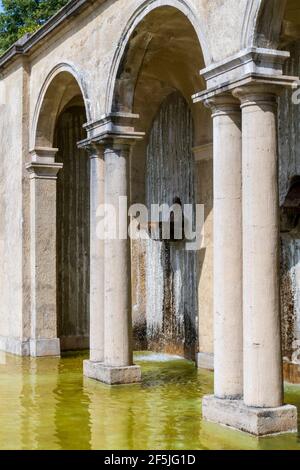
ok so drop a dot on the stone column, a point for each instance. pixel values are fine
(118, 358)
(96, 255)
(263, 382)
(43, 176)
(204, 175)
(118, 344)
(227, 279)
(262, 411)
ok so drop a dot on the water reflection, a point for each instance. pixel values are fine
(47, 404)
(28, 403)
(72, 414)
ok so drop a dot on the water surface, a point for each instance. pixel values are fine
(47, 404)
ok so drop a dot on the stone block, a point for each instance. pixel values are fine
(256, 421)
(112, 375)
(44, 347)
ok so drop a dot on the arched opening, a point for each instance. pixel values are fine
(72, 230)
(157, 76)
(60, 126)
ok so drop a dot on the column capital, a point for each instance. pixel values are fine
(223, 104)
(93, 149)
(252, 65)
(258, 94)
(116, 129)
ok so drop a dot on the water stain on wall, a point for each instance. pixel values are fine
(171, 280)
(289, 168)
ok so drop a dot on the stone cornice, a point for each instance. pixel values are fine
(25, 44)
(117, 127)
(43, 155)
(251, 60)
(48, 171)
(252, 65)
(43, 165)
(272, 80)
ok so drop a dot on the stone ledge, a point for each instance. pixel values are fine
(256, 421)
(112, 375)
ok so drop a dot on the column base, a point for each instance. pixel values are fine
(205, 360)
(15, 346)
(256, 421)
(112, 375)
(44, 347)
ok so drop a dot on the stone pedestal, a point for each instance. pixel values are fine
(112, 375)
(256, 421)
(44, 347)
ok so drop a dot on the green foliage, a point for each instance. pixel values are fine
(24, 16)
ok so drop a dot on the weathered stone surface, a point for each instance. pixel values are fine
(112, 375)
(121, 57)
(171, 271)
(289, 171)
(205, 361)
(15, 346)
(256, 421)
(44, 347)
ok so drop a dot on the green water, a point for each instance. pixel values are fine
(47, 404)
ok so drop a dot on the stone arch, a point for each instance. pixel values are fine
(262, 23)
(58, 124)
(62, 84)
(250, 20)
(144, 10)
(161, 52)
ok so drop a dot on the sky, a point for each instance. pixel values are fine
(0, 5)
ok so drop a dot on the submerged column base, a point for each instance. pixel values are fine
(256, 421)
(44, 347)
(112, 375)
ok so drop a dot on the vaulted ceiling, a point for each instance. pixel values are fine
(291, 24)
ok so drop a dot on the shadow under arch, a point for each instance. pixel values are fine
(139, 16)
(62, 84)
(263, 23)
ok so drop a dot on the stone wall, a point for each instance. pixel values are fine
(91, 45)
(14, 200)
(289, 168)
(171, 282)
(90, 40)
